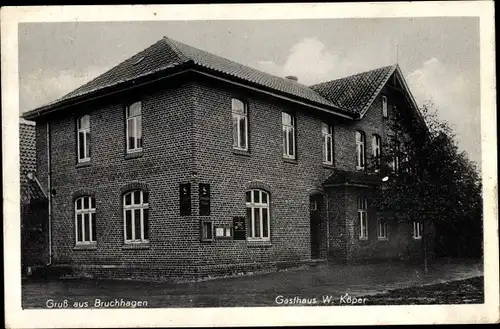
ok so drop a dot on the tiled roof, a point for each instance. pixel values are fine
(167, 54)
(356, 92)
(341, 177)
(249, 74)
(27, 150)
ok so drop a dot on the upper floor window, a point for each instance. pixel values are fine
(136, 216)
(85, 228)
(240, 124)
(382, 229)
(257, 202)
(384, 106)
(363, 218)
(360, 150)
(376, 149)
(395, 156)
(417, 230)
(327, 132)
(83, 141)
(288, 128)
(134, 127)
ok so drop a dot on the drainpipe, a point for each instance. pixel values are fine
(327, 226)
(49, 194)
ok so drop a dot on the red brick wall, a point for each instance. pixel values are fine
(187, 133)
(166, 161)
(229, 173)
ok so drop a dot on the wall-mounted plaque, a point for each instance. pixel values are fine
(239, 228)
(204, 193)
(185, 199)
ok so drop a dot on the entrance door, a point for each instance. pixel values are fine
(315, 214)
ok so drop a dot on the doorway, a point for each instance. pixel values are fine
(315, 205)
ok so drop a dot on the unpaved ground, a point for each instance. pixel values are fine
(265, 290)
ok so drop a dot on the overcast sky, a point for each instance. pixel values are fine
(438, 56)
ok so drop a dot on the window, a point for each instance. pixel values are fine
(395, 156)
(288, 127)
(85, 229)
(207, 231)
(382, 229)
(376, 148)
(136, 216)
(257, 202)
(363, 220)
(417, 230)
(360, 150)
(240, 125)
(384, 106)
(134, 127)
(327, 132)
(83, 141)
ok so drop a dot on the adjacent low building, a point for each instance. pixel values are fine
(180, 163)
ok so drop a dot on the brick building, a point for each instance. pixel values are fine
(180, 163)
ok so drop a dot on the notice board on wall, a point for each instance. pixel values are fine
(204, 199)
(239, 228)
(185, 199)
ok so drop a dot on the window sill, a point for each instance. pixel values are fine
(83, 164)
(91, 246)
(417, 239)
(259, 243)
(137, 245)
(241, 152)
(206, 240)
(383, 239)
(328, 166)
(363, 239)
(133, 155)
(360, 168)
(289, 160)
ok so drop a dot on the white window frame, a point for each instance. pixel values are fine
(360, 150)
(262, 207)
(417, 230)
(90, 211)
(395, 156)
(238, 142)
(381, 229)
(140, 205)
(132, 120)
(287, 131)
(363, 218)
(86, 142)
(384, 107)
(327, 143)
(377, 151)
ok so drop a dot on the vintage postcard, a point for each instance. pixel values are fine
(264, 164)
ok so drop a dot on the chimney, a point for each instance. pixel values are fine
(292, 77)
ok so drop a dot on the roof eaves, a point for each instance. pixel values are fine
(208, 71)
(92, 94)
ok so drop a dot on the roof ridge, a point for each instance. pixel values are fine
(177, 51)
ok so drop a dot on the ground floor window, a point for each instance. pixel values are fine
(85, 227)
(363, 218)
(382, 229)
(258, 219)
(417, 230)
(136, 216)
(207, 230)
